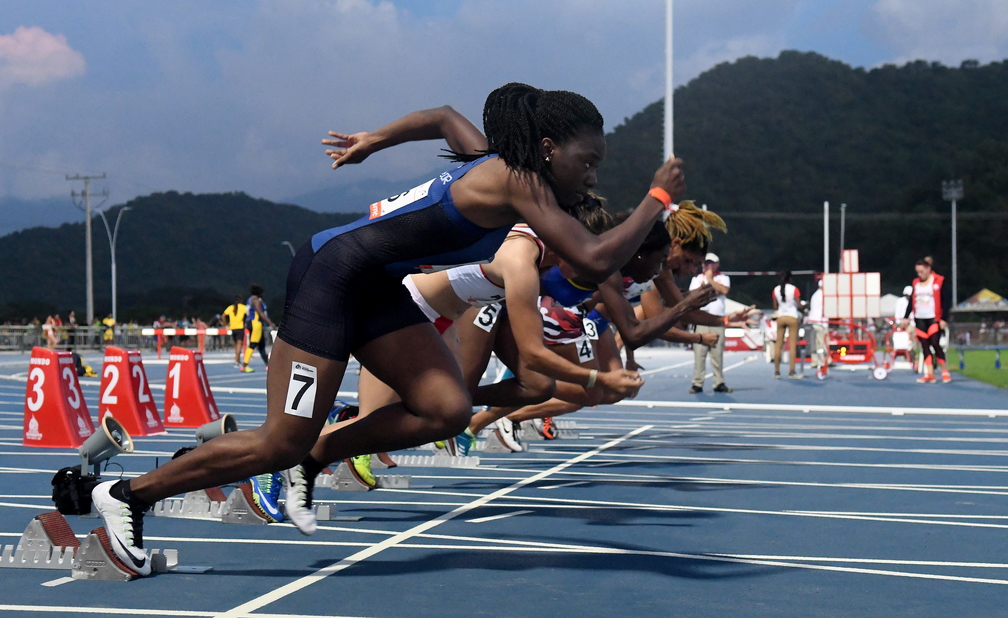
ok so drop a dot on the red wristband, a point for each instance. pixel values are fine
(726, 320)
(662, 196)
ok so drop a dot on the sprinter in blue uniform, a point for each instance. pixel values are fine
(541, 153)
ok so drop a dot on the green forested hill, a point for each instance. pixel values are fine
(760, 137)
(177, 253)
(763, 136)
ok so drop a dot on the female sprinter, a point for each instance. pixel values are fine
(688, 226)
(928, 304)
(344, 293)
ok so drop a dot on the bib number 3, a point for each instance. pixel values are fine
(301, 390)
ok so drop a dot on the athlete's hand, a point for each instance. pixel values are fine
(942, 324)
(700, 297)
(348, 148)
(671, 178)
(708, 339)
(622, 382)
(741, 314)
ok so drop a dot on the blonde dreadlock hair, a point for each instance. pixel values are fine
(692, 226)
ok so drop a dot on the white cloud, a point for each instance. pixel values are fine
(34, 57)
(943, 30)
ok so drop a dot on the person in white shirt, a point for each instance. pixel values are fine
(901, 313)
(787, 301)
(722, 284)
(820, 325)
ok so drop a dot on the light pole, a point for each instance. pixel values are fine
(289, 246)
(952, 190)
(85, 205)
(113, 235)
(843, 229)
(668, 81)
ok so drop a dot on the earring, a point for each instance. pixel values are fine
(547, 159)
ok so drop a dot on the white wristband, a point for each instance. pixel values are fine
(592, 376)
(669, 211)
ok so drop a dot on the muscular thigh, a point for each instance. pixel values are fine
(476, 343)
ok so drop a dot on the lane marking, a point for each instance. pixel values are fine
(336, 567)
(813, 408)
(665, 368)
(570, 484)
(481, 520)
(730, 367)
(57, 582)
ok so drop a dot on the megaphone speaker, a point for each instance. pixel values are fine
(110, 440)
(223, 425)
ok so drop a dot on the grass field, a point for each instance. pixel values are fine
(980, 366)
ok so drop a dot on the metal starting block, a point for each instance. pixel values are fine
(202, 504)
(436, 461)
(95, 560)
(493, 445)
(344, 480)
(47, 543)
(240, 508)
(566, 430)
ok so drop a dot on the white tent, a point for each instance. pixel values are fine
(888, 304)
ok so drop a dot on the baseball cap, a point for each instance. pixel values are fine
(712, 257)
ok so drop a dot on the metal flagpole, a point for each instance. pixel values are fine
(668, 81)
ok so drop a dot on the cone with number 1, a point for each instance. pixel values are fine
(188, 399)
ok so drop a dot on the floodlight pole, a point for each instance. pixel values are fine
(825, 237)
(113, 236)
(668, 82)
(952, 190)
(843, 224)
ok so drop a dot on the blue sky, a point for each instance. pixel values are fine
(226, 96)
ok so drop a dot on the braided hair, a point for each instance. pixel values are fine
(592, 214)
(517, 117)
(657, 238)
(692, 226)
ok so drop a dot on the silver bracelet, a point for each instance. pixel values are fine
(592, 376)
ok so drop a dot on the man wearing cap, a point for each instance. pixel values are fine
(711, 274)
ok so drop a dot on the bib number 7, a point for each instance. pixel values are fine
(301, 390)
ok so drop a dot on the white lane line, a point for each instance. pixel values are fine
(481, 520)
(989, 412)
(336, 567)
(665, 368)
(699, 418)
(59, 581)
(571, 484)
(136, 611)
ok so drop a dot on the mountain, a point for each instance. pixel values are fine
(176, 253)
(783, 135)
(356, 196)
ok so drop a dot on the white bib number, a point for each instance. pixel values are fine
(301, 390)
(487, 317)
(591, 330)
(584, 349)
(396, 202)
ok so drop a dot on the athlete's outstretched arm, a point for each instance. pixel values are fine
(636, 333)
(666, 294)
(462, 136)
(595, 257)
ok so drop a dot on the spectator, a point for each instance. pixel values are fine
(108, 336)
(49, 330)
(722, 284)
(787, 301)
(820, 325)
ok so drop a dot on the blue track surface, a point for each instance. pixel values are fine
(654, 511)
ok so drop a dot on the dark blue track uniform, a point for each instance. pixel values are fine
(344, 288)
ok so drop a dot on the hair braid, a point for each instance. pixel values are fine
(692, 226)
(517, 117)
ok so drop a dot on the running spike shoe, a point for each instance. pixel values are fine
(548, 431)
(446, 447)
(299, 499)
(124, 524)
(926, 379)
(266, 495)
(247, 369)
(360, 466)
(504, 430)
(465, 442)
(946, 376)
(341, 411)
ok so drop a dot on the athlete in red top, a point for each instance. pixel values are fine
(929, 304)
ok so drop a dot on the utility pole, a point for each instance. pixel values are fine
(825, 237)
(843, 225)
(952, 190)
(85, 205)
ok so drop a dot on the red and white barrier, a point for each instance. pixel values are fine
(188, 399)
(55, 414)
(200, 333)
(126, 394)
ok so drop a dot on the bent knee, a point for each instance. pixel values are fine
(281, 452)
(539, 389)
(450, 412)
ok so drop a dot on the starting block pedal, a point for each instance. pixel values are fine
(344, 480)
(436, 461)
(240, 508)
(493, 445)
(95, 560)
(528, 433)
(47, 543)
(202, 504)
(382, 461)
